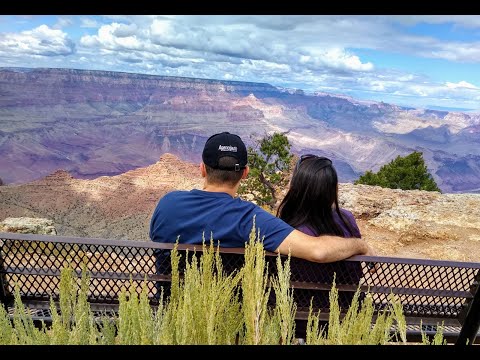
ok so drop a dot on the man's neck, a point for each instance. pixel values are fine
(220, 188)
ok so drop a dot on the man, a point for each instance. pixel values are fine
(215, 211)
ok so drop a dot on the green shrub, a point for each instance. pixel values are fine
(357, 326)
(6, 329)
(437, 338)
(406, 173)
(205, 309)
(76, 324)
(24, 331)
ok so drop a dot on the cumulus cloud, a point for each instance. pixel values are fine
(124, 30)
(310, 52)
(335, 58)
(41, 41)
(113, 37)
(228, 39)
(329, 53)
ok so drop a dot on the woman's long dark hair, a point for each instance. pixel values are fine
(313, 197)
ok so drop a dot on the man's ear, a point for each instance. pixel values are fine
(245, 172)
(203, 171)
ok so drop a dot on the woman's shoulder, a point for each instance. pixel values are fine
(351, 219)
(347, 213)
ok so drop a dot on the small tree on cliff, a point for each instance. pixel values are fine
(269, 161)
(406, 173)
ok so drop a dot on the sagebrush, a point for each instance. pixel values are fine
(206, 306)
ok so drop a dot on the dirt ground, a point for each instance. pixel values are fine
(463, 247)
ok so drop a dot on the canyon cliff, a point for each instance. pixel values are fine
(100, 123)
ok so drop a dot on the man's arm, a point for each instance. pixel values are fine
(324, 248)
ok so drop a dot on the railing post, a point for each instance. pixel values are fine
(3, 280)
(471, 321)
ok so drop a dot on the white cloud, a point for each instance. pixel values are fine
(455, 51)
(238, 48)
(311, 52)
(108, 38)
(42, 41)
(334, 58)
(124, 30)
(341, 59)
(224, 39)
(461, 84)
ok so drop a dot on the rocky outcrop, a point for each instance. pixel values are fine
(26, 225)
(399, 210)
(115, 207)
(416, 223)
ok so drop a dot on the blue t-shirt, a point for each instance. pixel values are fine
(190, 214)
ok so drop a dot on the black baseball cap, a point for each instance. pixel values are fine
(225, 144)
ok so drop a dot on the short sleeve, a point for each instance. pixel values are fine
(273, 230)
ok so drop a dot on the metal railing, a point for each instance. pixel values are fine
(431, 291)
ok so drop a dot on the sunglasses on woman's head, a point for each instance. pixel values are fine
(309, 156)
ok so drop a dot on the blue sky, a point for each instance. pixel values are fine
(429, 61)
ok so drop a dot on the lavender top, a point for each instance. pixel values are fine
(306, 229)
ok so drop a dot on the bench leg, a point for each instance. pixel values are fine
(471, 323)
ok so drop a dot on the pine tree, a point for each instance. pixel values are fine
(406, 173)
(269, 162)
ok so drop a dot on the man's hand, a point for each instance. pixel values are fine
(372, 266)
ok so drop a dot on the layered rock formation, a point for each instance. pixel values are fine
(108, 207)
(395, 222)
(100, 123)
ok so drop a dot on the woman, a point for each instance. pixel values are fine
(311, 206)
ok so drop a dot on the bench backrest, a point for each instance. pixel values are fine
(431, 291)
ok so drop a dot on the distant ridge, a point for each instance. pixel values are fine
(137, 75)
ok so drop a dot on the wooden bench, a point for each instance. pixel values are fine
(431, 291)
